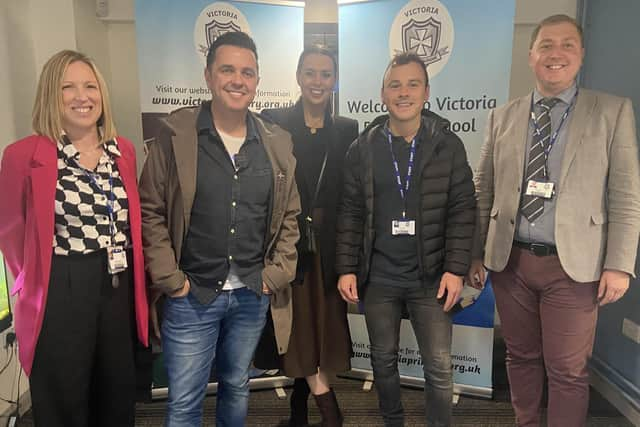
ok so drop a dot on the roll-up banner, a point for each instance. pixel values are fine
(172, 41)
(466, 46)
(173, 38)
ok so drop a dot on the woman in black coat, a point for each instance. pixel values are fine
(320, 344)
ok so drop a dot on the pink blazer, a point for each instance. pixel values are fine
(28, 178)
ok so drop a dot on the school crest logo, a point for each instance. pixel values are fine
(215, 29)
(423, 27)
(215, 20)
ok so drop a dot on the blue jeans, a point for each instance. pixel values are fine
(383, 306)
(224, 332)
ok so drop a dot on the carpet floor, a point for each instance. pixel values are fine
(360, 407)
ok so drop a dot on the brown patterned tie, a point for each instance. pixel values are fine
(531, 206)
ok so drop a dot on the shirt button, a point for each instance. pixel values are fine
(512, 221)
(233, 203)
(219, 283)
(230, 257)
(235, 177)
(533, 224)
(233, 230)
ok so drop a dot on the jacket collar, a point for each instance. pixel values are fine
(432, 128)
(205, 123)
(432, 124)
(184, 139)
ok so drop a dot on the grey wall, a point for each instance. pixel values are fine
(612, 64)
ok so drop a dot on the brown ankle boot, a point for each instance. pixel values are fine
(298, 403)
(329, 410)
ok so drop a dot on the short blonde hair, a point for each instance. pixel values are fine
(48, 108)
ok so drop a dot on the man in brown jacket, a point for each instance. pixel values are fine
(219, 206)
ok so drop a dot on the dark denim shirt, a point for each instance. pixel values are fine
(230, 213)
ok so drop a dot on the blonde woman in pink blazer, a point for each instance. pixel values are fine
(70, 232)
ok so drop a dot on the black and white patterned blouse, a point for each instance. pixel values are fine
(82, 222)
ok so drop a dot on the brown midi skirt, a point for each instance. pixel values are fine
(320, 334)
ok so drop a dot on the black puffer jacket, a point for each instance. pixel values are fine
(446, 218)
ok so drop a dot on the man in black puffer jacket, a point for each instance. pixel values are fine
(405, 229)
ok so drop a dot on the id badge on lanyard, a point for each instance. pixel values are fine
(404, 226)
(545, 189)
(116, 254)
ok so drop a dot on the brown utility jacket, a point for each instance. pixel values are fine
(167, 190)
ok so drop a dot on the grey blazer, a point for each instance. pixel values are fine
(597, 220)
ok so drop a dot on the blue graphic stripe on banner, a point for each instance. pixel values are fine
(480, 313)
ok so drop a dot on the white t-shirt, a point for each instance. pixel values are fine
(232, 144)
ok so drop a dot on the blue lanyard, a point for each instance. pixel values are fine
(554, 136)
(110, 197)
(404, 189)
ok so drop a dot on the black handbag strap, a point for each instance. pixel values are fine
(319, 183)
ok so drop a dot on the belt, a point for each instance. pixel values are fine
(538, 249)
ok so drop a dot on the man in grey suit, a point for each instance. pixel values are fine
(558, 219)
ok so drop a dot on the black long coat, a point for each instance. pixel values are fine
(342, 132)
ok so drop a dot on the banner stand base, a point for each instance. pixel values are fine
(418, 383)
(263, 383)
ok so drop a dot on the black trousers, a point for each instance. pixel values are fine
(83, 372)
